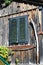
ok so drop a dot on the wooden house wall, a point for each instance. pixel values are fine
(13, 8)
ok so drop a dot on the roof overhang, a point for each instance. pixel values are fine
(33, 2)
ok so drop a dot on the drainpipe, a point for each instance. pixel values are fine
(37, 44)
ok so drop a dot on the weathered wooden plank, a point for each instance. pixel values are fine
(14, 8)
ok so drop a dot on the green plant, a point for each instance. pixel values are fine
(16, 61)
(7, 2)
(4, 51)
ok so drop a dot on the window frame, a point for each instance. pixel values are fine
(18, 26)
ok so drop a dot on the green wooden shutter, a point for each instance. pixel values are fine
(12, 31)
(18, 30)
(22, 28)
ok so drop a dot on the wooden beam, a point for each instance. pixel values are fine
(21, 47)
(18, 12)
(40, 33)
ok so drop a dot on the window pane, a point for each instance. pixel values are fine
(13, 31)
(22, 28)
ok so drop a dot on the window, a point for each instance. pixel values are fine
(18, 30)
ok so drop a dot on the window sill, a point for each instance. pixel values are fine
(21, 47)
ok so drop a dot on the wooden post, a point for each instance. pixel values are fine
(37, 43)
